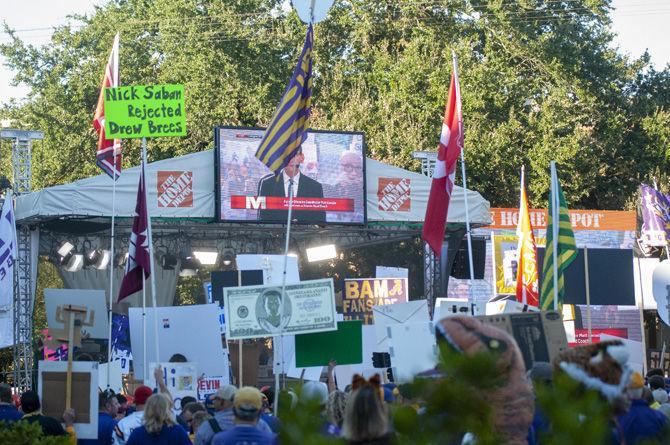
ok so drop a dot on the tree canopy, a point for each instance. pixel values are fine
(540, 80)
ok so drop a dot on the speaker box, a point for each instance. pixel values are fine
(461, 267)
(229, 278)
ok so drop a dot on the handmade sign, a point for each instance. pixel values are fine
(344, 373)
(361, 294)
(193, 331)
(262, 311)
(181, 380)
(401, 313)
(51, 383)
(91, 301)
(343, 346)
(140, 111)
(412, 349)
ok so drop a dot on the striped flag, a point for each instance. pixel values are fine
(444, 174)
(288, 127)
(561, 248)
(108, 156)
(526, 275)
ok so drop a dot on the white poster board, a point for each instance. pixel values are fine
(344, 373)
(400, 313)
(448, 307)
(181, 380)
(391, 272)
(92, 299)
(193, 331)
(636, 355)
(272, 267)
(115, 377)
(412, 348)
(83, 430)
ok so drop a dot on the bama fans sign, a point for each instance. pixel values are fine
(394, 194)
(174, 188)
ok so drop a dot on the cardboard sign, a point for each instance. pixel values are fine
(401, 313)
(140, 111)
(94, 323)
(540, 335)
(412, 349)
(344, 345)
(181, 380)
(210, 385)
(344, 373)
(361, 294)
(51, 383)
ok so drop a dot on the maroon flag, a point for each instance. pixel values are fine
(451, 144)
(138, 250)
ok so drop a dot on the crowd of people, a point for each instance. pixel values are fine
(363, 413)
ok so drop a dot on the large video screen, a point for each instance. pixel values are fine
(327, 179)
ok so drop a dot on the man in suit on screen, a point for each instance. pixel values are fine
(303, 187)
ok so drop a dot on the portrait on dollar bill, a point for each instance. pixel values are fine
(268, 307)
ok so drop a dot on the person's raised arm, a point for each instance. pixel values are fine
(332, 387)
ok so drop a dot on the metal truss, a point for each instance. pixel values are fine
(23, 301)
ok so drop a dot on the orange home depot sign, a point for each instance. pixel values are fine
(581, 219)
(174, 188)
(394, 194)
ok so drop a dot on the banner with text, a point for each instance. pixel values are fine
(581, 219)
(140, 111)
(361, 294)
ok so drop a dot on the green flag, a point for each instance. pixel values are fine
(560, 240)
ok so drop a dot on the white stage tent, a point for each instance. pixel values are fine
(393, 194)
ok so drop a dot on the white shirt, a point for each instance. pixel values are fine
(126, 426)
(287, 178)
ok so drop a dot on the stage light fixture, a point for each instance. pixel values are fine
(206, 257)
(228, 258)
(169, 261)
(320, 253)
(97, 258)
(75, 263)
(120, 259)
(189, 265)
(65, 252)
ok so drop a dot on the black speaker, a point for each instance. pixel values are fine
(229, 278)
(461, 267)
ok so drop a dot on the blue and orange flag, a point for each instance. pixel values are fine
(288, 127)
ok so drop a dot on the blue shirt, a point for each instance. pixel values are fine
(642, 422)
(272, 422)
(106, 424)
(169, 435)
(244, 435)
(9, 413)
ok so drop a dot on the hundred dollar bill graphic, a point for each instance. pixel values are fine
(256, 311)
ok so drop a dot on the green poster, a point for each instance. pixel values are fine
(344, 345)
(140, 111)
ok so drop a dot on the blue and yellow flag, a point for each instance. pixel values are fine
(288, 128)
(566, 248)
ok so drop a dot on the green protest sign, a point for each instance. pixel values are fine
(140, 111)
(344, 345)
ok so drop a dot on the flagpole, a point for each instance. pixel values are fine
(283, 287)
(111, 282)
(465, 183)
(145, 377)
(152, 274)
(554, 227)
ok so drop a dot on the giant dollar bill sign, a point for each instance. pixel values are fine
(261, 311)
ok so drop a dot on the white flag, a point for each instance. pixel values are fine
(7, 253)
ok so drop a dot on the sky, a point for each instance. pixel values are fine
(639, 25)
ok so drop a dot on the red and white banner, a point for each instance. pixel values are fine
(281, 203)
(582, 335)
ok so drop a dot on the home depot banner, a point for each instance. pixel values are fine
(581, 219)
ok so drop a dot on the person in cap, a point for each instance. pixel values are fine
(247, 406)
(314, 395)
(641, 423)
(134, 420)
(108, 407)
(159, 426)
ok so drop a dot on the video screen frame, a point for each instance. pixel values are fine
(218, 185)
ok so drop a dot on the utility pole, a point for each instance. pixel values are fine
(23, 287)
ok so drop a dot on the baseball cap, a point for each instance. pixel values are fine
(142, 393)
(636, 381)
(226, 392)
(248, 398)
